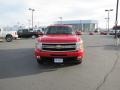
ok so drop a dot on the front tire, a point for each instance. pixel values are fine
(9, 38)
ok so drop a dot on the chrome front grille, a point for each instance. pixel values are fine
(59, 47)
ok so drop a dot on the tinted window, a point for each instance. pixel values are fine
(59, 30)
(25, 30)
(20, 31)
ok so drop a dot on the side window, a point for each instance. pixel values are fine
(38, 30)
(20, 31)
(25, 30)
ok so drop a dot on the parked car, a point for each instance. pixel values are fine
(28, 33)
(117, 28)
(79, 32)
(8, 35)
(91, 33)
(112, 32)
(59, 44)
(103, 32)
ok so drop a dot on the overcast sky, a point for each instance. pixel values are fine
(48, 11)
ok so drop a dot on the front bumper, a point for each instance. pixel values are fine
(15, 36)
(48, 54)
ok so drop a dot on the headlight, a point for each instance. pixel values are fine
(38, 45)
(79, 45)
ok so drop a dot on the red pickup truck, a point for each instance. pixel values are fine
(59, 44)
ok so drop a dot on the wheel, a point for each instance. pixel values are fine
(9, 38)
(33, 36)
(15, 38)
(39, 61)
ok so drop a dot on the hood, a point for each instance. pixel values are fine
(59, 38)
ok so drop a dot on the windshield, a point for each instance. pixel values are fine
(59, 30)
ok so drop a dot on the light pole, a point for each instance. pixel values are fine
(106, 22)
(116, 19)
(29, 22)
(60, 20)
(108, 19)
(32, 10)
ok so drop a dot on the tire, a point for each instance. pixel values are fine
(39, 61)
(8, 38)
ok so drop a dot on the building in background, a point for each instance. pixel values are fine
(82, 25)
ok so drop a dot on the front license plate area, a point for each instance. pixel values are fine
(58, 60)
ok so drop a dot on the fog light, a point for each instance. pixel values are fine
(38, 57)
(78, 58)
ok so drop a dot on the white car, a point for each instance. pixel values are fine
(8, 35)
(112, 32)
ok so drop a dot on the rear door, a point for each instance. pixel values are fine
(27, 33)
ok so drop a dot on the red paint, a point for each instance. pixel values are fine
(60, 38)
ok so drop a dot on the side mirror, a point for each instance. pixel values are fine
(40, 33)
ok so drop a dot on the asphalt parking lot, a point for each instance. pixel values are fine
(100, 69)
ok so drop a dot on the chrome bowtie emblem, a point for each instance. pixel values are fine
(58, 47)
